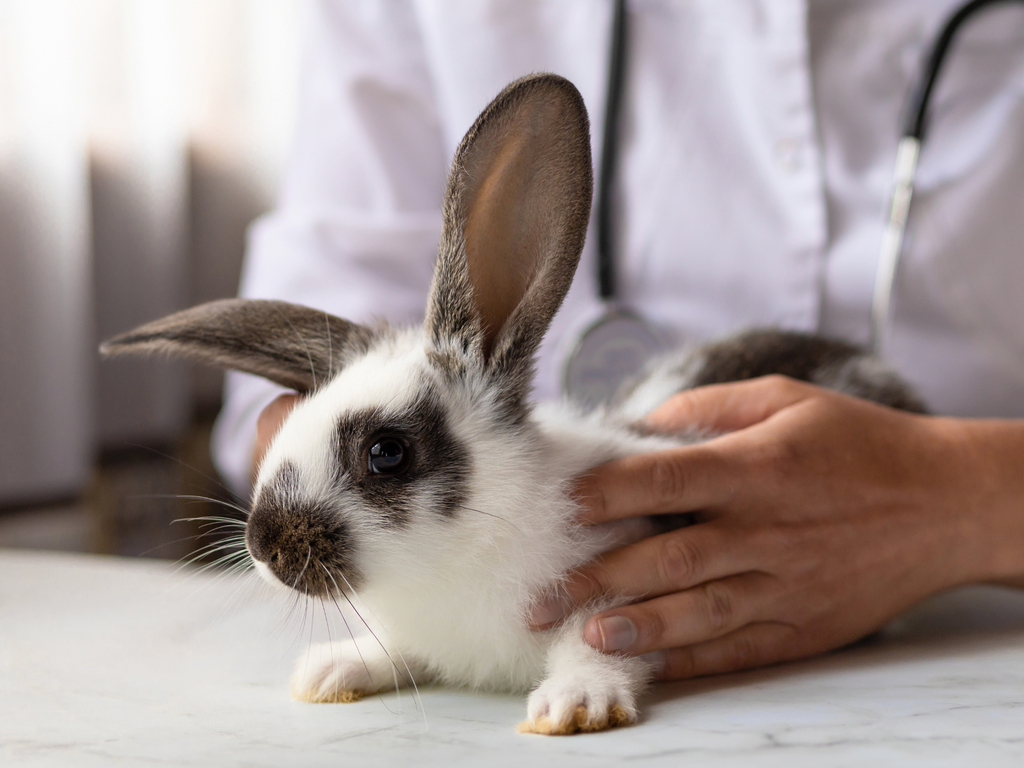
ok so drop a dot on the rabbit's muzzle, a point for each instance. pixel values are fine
(304, 545)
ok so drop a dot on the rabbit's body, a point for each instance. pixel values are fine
(417, 481)
(448, 594)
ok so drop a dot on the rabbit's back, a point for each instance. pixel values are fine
(829, 363)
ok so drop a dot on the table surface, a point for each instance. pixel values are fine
(107, 661)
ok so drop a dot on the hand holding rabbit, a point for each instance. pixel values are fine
(823, 516)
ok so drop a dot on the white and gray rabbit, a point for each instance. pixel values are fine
(416, 478)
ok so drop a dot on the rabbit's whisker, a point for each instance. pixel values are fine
(163, 544)
(312, 617)
(309, 554)
(212, 518)
(187, 466)
(234, 541)
(209, 549)
(228, 566)
(204, 520)
(289, 618)
(417, 699)
(235, 559)
(330, 640)
(207, 521)
(242, 585)
(232, 544)
(230, 557)
(491, 514)
(196, 497)
(304, 604)
(355, 643)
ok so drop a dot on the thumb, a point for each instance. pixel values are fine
(727, 407)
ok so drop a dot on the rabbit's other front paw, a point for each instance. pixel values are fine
(560, 707)
(342, 673)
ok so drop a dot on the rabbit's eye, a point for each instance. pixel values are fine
(387, 456)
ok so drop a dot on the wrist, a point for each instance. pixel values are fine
(986, 501)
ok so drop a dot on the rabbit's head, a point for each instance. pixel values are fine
(383, 463)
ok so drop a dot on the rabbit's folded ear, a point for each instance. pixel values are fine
(515, 218)
(297, 347)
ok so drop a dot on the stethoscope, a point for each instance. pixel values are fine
(620, 342)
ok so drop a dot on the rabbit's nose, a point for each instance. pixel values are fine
(304, 545)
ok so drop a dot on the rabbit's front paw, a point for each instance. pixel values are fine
(562, 707)
(336, 672)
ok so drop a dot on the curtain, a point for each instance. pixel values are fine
(138, 138)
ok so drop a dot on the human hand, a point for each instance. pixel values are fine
(822, 517)
(269, 422)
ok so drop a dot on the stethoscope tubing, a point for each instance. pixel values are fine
(908, 151)
(606, 277)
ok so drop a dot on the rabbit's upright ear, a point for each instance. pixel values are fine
(515, 218)
(297, 347)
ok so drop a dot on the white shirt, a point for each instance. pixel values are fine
(758, 141)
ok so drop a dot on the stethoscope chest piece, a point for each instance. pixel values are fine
(613, 349)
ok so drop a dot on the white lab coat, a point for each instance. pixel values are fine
(758, 140)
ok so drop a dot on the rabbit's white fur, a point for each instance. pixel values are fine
(450, 598)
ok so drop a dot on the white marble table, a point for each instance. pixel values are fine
(106, 661)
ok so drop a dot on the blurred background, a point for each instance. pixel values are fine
(138, 140)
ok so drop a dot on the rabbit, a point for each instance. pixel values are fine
(417, 479)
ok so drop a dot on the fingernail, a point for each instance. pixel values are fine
(549, 610)
(617, 633)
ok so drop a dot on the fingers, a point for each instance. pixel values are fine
(652, 567)
(754, 645)
(728, 407)
(683, 479)
(695, 477)
(693, 616)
